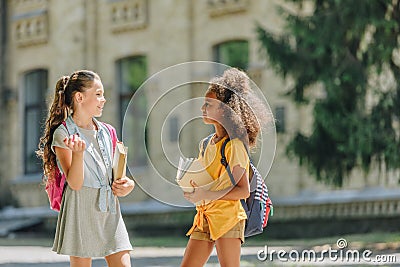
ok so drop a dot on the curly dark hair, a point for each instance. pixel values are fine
(244, 112)
(62, 104)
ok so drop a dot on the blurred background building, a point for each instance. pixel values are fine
(127, 41)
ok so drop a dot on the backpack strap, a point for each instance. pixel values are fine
(59, 168)
(65, 125)
(228, 170)
(224, 162)
(204, 144)
(113, 134)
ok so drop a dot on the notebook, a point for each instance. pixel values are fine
(192, 169)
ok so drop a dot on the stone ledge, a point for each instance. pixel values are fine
(365, 203)
(138, 208)
(225, 7)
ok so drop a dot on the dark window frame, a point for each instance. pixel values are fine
(280, 116)
(29, 108)
(125, 93)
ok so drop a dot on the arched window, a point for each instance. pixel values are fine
(35, 85)
(232, 53)
(131, 73)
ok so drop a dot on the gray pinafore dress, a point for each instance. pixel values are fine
(90, 223)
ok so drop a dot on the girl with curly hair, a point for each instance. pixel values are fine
(236, 113)
(89, 222)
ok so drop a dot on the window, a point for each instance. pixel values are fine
(173, 129)
(280, 119)
(232, 53)
(35, 87)
(131, 73)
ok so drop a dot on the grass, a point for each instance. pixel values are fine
(181, 241)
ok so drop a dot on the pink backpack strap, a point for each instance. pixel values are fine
(65, 125)
(113, 134)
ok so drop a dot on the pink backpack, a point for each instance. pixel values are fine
(55, 188)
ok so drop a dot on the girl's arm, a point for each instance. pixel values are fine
(240, 191)
(71, 160)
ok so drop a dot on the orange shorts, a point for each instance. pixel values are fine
(237, 231)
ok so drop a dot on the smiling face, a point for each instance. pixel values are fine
(93, 100)
(211, 109)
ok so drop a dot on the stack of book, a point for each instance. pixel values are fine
(192, 169)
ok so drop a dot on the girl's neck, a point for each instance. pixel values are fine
(219, 133)
(84, 122)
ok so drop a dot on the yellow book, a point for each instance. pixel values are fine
(192, 169)
(119, 161)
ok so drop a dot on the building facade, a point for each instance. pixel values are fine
(126, 42)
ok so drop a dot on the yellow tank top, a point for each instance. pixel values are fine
(221, 215)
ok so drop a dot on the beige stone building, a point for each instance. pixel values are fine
(128, 41)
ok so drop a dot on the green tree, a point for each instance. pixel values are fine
(352, 50)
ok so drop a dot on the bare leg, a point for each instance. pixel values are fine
(80, 262)
(119, 259)
(228, 251)
(197, 253)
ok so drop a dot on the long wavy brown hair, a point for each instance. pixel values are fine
(61, 107)
(244, 113)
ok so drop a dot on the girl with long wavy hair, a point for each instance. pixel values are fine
(89, 222)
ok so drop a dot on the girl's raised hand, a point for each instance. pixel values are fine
(75, 143)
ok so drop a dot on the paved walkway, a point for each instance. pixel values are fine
(24, 256)
(34, 256)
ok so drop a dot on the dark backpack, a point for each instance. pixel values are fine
(55, 188)
(258, 205)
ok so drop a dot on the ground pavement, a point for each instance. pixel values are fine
(35, 256)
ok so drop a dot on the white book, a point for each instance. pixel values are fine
(192, 169)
